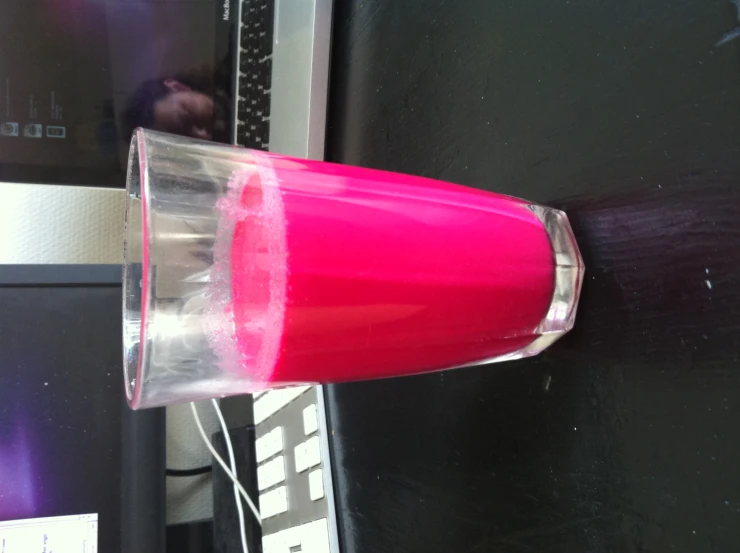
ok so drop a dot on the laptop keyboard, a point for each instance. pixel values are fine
(255, 73)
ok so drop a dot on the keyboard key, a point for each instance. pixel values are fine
(268, 445)
(248, 12)
(310, 420)
(313, 451)
(307, 538)
(316, 484)
(273, 401)
(271, 473)
(243, 109)
(307, 454)
(274, 502)
(269, 24)
(263, 132)
(262, 76)
(300, 457)
(284, 541)
(315, 536)
(245, 87)
(245, 64)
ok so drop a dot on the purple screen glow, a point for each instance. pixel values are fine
(61, 405)
(17, 494)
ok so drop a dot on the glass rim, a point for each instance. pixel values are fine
(135, 291)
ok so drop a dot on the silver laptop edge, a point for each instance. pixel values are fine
(300, 77)
(327, 472)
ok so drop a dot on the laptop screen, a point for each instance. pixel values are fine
(77, 76)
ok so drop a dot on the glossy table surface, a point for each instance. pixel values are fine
(625, 436)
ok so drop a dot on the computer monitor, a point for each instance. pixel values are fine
(79, 471)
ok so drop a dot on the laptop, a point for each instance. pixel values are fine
(78, 76)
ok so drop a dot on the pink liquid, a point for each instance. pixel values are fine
(346, 274)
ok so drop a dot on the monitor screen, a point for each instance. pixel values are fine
(70, 534)
(77, 76)
(68, 441)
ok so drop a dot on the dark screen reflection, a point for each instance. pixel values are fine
(78, 76)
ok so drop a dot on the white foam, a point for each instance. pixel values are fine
(265, 327)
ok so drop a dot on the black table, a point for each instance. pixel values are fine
(625, 436)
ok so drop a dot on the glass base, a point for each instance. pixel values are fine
(569, 270)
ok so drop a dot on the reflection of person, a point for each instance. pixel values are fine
(187, 104)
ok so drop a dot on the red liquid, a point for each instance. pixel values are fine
(347, 274)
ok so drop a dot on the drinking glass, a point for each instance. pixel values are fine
(245, 270)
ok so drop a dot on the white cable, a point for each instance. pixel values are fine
(221, 462)
(232, 461)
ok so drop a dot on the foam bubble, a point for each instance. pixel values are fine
(251, 346)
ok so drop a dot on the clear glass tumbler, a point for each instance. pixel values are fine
(246, 270)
